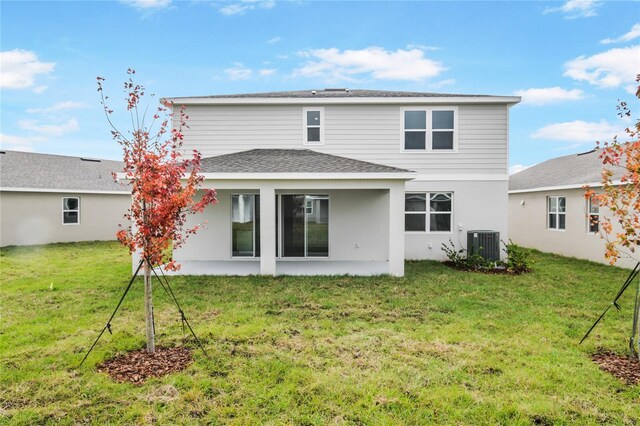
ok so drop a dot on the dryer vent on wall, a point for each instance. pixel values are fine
(484, 243)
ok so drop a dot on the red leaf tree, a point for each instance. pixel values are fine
(164, 186)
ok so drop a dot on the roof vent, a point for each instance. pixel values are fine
(588, 152)
(346, 90)
(2, 152)
(336, 90)
(92, 160)
(313, 92)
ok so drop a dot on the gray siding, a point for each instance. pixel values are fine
(365, 132)
(36, 217)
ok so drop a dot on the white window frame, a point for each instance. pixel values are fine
(428, 147)
(557, 213)
(253, 212)
(589, 214)
(305, 126)
(427, 212)
(69, 211)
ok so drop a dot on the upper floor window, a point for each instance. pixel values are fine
(593, 216)
(313, 126)
(428, 211)
(70, 210)
(429, 129)
(556, 211)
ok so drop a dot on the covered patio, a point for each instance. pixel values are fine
(298, 212)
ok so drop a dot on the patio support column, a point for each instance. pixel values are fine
(396, 229)
(267, 229)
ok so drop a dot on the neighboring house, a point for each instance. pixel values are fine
(341, 181)
(548, 210)
(53, 198)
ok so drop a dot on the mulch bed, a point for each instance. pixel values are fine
(138, 366)
(624, 368)
(496, 271)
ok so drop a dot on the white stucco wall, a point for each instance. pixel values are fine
(528, 226)
(36, 217)
(477, 205)
(358, 226)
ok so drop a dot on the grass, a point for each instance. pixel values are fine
(438, 346)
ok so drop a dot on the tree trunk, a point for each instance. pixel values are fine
(634, 342)
(148, 310)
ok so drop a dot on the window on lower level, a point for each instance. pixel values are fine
(556, 212)
(70, 210)
(245, 225)
(593, 215)
(428, 211)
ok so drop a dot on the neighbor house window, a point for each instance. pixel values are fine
(70, 210)
(313, 126)
(556, 210)
(245, 225)
(430, 211)
(593, 216)
(430, 129)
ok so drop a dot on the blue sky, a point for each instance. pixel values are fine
(570, 60)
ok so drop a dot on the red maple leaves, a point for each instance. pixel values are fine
(164, 184)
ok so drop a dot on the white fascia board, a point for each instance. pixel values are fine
(561, 187)
(65, 191)
(462, 177)
(309, 176)
(445, 100)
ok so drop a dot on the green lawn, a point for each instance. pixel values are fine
(438, 346)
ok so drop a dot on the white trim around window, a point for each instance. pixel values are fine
(556, 213)
(313, 126)
(71, 211)
(422, 217)
(434, 134)
(593, 217)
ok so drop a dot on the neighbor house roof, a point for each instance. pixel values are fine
(311, 96)
(573, 170)
(263, 161)
(29, 171)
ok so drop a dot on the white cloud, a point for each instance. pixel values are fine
(633, 34)
(147, 4)
(59, 107)
(50, 130)
(517, 168)
(238, 72)
(612, 68)
(373, 62)
(548, 95)
(282, 56)
(243, 6)
(578, 131)
(422, 47)
(576, 9)
(20, 143)
(274, 40)
(19, 69)
(267, 71)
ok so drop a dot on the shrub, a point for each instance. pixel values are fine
(455, 256)
(517, 257)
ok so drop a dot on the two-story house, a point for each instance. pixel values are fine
(341, 181)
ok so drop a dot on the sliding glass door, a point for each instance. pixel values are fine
(305, 225)
(245, 225)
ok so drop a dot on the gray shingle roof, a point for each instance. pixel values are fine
(335, 93)
(290, 161)
(45, 171)
(575, 169)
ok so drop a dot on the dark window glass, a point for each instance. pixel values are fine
(415, 222)
(440, 202)
(440, 222)
(313, 134)
(561, 221)
(561, 204)
(442, 140)
(70, 204)
(293, 215)
(414, 140)
(317, 211)
(442, 120)
(593, 223)
(415, 202)
(70, 217)
(552, 221)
